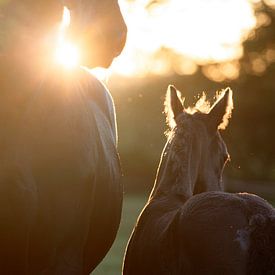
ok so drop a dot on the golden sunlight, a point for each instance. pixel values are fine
(179, 35)
(66, 53)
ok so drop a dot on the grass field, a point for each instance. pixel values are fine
(112, 263)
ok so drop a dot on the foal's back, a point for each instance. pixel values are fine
(211, 233)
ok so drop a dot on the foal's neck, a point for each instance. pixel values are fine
(174, 175)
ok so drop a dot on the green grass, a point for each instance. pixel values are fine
(112, 263)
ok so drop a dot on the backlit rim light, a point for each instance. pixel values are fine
(66, 53)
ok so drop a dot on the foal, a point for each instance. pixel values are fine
(184, 228)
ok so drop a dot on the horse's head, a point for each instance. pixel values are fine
(99, 28)
(96, 25)
(195, 133)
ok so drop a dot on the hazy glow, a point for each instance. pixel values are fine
(66, 54)
(195, 32)
(101, 73)
(66, 20)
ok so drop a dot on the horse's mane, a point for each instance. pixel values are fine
(105, 123)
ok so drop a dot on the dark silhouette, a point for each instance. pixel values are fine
(189, 226)
(60, 191)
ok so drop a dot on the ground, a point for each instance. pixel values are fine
(112, 264)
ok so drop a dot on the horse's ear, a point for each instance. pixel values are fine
(173, 105)
(221, 111)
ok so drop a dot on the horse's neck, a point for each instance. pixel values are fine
(174, 175)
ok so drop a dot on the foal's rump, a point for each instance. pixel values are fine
(220, 237)
(67, 142)
(261, 252)
(262, 248)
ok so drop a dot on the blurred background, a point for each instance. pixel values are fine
(199, 46)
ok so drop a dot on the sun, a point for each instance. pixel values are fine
(66, 53)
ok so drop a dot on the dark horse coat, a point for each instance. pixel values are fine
(60, 191)
(211, 233)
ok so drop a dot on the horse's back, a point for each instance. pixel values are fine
(66, 149)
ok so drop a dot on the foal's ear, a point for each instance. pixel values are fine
(221, 110)
(173, 105)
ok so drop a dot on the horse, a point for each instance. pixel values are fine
(60, 190)
(189, 225)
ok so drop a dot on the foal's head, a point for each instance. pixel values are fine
(195, 143)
